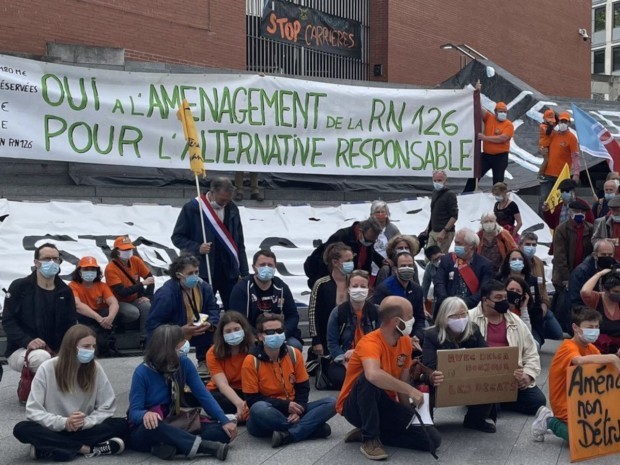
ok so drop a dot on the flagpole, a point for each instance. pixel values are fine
(588, 173)
(204, 231)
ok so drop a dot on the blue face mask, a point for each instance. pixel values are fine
(49, 269)
(184, 350)
(516, 265)
(459, 250)
(590, 335)
(235, 338)
(616, 218)
(191, 281)
(265, 273)
(437, 185)
(348, 267)
(529, 250)
(609, 196)
(579, 218)
(274, 341)
(566, 196)
(88, 276)
(85, 355)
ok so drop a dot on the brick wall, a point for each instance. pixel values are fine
(196, 32)
(378, 46)
(536, 41)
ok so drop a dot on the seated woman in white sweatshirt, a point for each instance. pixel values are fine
(70, 407)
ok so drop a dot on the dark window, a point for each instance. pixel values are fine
(617, 14)
(599, 19)
(616, 59)
(598, 60)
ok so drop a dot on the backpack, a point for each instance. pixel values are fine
(343, 314)
(291, 353)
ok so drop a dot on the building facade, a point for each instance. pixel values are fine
(401, 39)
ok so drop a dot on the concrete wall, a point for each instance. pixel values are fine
(519, 36)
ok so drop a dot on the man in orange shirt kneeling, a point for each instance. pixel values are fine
(579, 350)
(376, 396)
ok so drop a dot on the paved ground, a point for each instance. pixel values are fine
(511, 445)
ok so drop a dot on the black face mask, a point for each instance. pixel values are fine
(501, 306)
(605, 263)
(514, 298)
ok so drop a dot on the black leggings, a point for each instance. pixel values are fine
(496, 163)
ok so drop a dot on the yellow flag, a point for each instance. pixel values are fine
(553, 199)
(191, 136)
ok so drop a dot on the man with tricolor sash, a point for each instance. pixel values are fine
(222, 243)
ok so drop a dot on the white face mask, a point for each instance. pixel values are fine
(501, 116)
(408, 326)
(488, 227)
(458, 326)
(358, 294)
(125, 254)
(562, 127)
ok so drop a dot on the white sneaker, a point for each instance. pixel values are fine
(539, 426)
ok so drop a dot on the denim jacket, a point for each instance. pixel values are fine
(340, 337)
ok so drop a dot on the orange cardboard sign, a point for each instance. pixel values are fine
(593, 411)
(477, 376)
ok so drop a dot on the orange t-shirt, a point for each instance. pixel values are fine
(567, 351)
(543, 139)
(275, 380)
(137, 269)
(392, 359)
(493, 127)
(95, 296)
(231, 367)
(561, 149)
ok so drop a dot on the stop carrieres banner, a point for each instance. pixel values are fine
(245, 122)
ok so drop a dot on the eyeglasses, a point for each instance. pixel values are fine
(50, 259)
(458, 316)
(271, 332)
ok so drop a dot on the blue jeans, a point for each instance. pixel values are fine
(552, 329)
(265, 419)
(142, 439)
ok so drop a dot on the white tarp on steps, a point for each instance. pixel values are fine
(83, 228)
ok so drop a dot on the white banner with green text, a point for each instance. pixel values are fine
(245, 122)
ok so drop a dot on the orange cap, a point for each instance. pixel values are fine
(88, 262)
(549, 116)
(501, 106)
(564, 115)
(123, 243)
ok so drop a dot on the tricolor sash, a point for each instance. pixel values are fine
(219, 229)
(467, 274)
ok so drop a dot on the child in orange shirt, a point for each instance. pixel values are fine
(579, 350)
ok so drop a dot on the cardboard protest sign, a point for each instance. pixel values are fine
(593, 411)
(477, 376)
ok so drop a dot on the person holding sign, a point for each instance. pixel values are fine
(187, 301)
(580, 350)
(376, 396)
(502, 328)
(454, 330)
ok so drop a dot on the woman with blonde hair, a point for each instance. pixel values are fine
(71, 404)
(454, 329)
(506, 210)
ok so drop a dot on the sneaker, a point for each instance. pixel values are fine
(112, 447)
(322, 432)
(355, 435)
(479, 425)
(37, 454)
(164, 451)
(257, 196)
(239, 194)
(539, 426)
(280, 438)
(203, 369)
(373, 449)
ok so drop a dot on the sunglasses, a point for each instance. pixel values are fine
(270, 332)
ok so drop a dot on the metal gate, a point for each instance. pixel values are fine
(268, 56)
